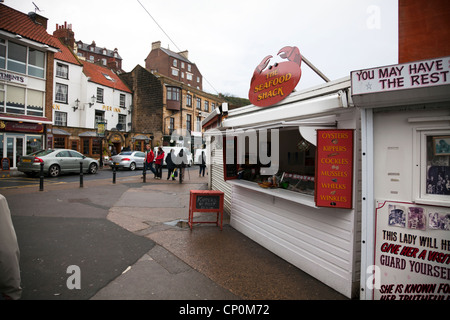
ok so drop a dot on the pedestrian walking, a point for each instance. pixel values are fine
(159, 163)
(181, 161)
(149, 159)
(202, 164)
(170, 164)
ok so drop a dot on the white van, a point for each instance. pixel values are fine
(176, 151)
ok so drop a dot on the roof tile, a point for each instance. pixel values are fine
(97, 74)
(20, 23)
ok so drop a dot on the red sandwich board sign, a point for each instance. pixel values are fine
(334, 169)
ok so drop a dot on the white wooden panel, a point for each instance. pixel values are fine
(318, 241)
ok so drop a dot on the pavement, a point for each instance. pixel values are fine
(131, 241)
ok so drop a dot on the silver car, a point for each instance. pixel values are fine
(128, 159)
(56, 161)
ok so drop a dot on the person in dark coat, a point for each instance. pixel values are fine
(170, 164)
(202, 164)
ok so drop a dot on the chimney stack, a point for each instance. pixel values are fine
(185, 54)
(156, 45)
(65, 35)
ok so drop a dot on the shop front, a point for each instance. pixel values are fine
(405, 113)
(289, 173)
(19, 138)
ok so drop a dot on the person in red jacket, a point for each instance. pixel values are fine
(149, 158)
(159, 163)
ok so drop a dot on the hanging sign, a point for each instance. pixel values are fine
(272, 84)
(412, 252)
(334, 168)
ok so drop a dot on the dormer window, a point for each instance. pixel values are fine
(107, 77)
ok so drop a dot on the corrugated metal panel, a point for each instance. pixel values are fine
(318, 241)
(217, 181)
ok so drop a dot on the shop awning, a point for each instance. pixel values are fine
(60, 132)
(31, 119)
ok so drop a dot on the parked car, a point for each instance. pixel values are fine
(56, 161)
(176, 151)
(128, 160)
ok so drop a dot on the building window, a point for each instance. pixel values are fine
(182, 65)
(433, 177)
(188, 122)
(199, 124)
(99, 117)
(2, 54)
(100, 95)
(15, 100)
(199, 103)
(17, 57)
(36, 63)
(189, 100)
(173, 93)
(175, 63)
(198, 79)
(122, 122)
(122, 101)
(22, 59)
(35, 103)
(171, 125)
(189, 76)
(62, 70)
(189, 67)
(2, 99)
(59, 142)
(61, 93)
(91, 146)
(206, 106)
(175, 72)
(60, 118)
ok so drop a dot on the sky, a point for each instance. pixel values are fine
(228, 39)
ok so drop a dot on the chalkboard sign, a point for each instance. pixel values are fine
(5, 164)
(207, 202)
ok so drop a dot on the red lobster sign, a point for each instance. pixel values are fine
(273, 84)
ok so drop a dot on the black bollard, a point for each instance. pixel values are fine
(114, 173)
(81, 174)
(41, 177)
(144, 173)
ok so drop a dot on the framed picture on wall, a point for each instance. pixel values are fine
(441, 145)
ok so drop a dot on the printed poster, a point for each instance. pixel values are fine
(412, 251)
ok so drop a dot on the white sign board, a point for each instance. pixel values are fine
(14, 78)
(411, 75)
(412, 252)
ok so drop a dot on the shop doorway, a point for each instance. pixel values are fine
(117, 147)
(13, 149)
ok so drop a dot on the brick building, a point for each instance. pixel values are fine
(99, 55)
(174, 65)
(424, 29)
(162, 105)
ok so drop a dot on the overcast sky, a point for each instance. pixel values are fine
(228, 39)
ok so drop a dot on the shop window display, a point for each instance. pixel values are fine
(296, 162)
